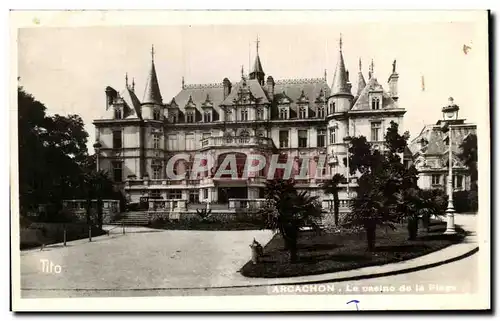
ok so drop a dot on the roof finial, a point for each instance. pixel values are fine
(257, 42)
(340, 42)
(360, 64)
(325, 75)
(126, 80)
(152, 52)
(133, 84)
(242, 72)
(371, 69)
(183, 84)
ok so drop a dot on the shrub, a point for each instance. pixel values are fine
(465, 201)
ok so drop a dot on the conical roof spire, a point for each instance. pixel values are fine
(339, 84)
(361, 80)
(258, 71)
(152, 93)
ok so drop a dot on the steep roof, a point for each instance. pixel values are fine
(198, 94)
(311, 89)
(257, 66)
(132, 102)
(152, 92)
(363, 102)
(340, 82)
(434, 139)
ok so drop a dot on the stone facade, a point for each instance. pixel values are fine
(293, 118)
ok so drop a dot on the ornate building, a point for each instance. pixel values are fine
(430, 151)
(293, 118)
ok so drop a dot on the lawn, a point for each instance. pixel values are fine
(333, 251)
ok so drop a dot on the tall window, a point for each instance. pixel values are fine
(333, 135)
(244, 114)
(156, 114)
(436, 179)
(332, 108)
(283, 113)
(321, 112)
(172, 142)
(155, 193)
(302, 112)
(117, 171)
(457, 181)
(190, 141)
(156, 172)
(302, 135)
(118, 113)
(173, 117)
(207, 117)
(229, 115)
(117, 139)
(260, 114)
(321, 138)
(376, 125)
(194, 196)
(375, 103)
(190, 117)
(283, 138)
(156, 141)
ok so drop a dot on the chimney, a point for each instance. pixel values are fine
(270, 88)
(110, 96)
(227, 87)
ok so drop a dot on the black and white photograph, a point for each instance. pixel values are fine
(250, 161)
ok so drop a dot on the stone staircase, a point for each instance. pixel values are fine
(137, 218)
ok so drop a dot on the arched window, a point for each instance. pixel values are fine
(260, 114)
(244, 114)
(321, 112)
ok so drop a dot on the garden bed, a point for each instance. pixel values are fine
(328, 252)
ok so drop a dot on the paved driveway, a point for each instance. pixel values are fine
(144, 259)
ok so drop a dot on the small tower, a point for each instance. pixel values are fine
(340, 99)
(258, 71)
(152, 104)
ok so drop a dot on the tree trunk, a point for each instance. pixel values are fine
(426, 220)
(99, 212)
(370, 236)
(336, 204)
(88, 210)
(290, 237)
(412, 228)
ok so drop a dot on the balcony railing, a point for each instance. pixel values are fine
(236, 141)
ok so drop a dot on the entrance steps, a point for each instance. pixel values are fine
(137, 218)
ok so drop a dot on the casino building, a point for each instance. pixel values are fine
(258, 113)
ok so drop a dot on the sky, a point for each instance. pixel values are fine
(68, 68)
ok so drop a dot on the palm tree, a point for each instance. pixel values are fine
(332, 187)
(287, 211)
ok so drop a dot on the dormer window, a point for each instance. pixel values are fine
(229, 115)
(173, 117)
(118, 113)
(156, 114)
(302, 112)
(283, 112)
(207, 117)
(190, 117)
(321, 112)
(375, 103)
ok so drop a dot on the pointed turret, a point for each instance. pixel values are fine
(361, 80)
(152, 93)
(340, 82)
(258, 71)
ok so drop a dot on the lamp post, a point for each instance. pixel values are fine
(450, 113)
(347, 140)
(97, 148)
